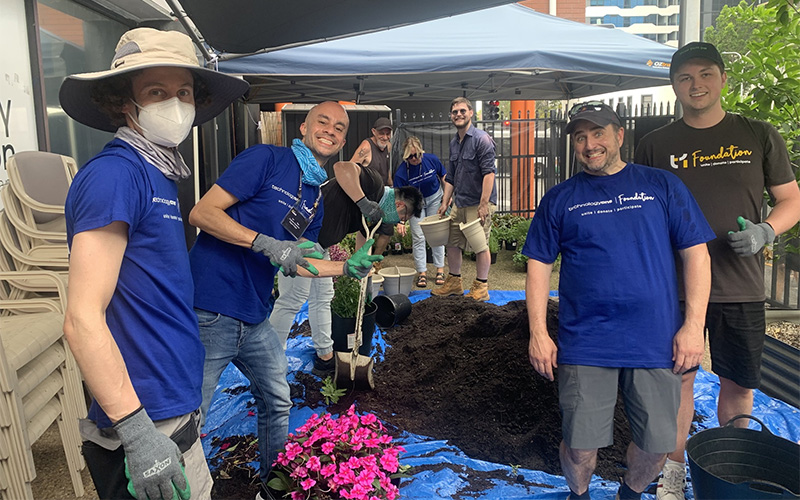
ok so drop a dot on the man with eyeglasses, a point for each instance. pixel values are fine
(727, 161)
(470, 187)
(374, 153)
(616, 226)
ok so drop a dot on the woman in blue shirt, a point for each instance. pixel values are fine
(425, 172)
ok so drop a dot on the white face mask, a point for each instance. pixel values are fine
(166, 123)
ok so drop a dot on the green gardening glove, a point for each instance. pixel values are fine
(751, 237)
(152, 460)
(359, 265)
(287, 255)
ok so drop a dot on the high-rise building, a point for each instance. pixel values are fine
(654, 19)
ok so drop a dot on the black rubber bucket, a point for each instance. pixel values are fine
(743, 464)
(392, 309)
(341, 328)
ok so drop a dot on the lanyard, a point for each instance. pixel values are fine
(300, 199)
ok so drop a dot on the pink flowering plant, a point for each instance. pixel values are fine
(348, 457)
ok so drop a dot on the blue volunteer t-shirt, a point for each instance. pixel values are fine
(424, 176)
(236, 281)
(618, 297)
(150, 314)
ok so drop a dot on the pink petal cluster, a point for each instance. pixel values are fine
(350, 456)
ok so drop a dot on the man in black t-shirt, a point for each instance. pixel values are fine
(726, 161)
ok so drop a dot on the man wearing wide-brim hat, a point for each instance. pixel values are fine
(129, 319)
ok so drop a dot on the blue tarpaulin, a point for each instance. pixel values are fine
(232, 413)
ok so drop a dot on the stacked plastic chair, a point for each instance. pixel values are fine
(39, 379)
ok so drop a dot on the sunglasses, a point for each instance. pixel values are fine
(457, 112)
(412, 157)
(585, 106)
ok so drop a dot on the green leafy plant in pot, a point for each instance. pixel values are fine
(494, 246)
(344, 307)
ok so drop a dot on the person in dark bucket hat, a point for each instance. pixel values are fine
(130, 320)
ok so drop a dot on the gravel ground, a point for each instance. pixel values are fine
(786, 331)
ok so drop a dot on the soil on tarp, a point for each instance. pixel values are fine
(459, 371)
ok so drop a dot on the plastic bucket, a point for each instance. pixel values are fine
(343, 331)
(733, 463)
(473, 231)
(392, 309)
(376, 281)
(436, 230)
(397, 280)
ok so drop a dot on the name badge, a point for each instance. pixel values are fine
(295, 223)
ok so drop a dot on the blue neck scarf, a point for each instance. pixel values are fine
(313, 173)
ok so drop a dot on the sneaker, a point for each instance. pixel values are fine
(323, 367)
(672, 483)
(452, 286)
(479, 291)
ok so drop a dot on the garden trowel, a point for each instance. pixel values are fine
(354, 370)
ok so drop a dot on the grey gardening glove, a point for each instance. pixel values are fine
(370, 209)
(750, 238)
(360, 264)
(152, 460)
(287, 255)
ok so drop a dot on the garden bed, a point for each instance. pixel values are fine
(458, 371)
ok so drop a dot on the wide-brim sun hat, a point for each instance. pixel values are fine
(143, 48)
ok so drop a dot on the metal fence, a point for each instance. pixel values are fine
(533, 156)
(529, 153)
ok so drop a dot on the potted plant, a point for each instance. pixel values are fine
(351, 456)
(344, 307)
(396, 243)
(494, 247)
(408, 244)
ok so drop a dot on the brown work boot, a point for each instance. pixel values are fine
(452, 286)
(377, 265)
(479, 291)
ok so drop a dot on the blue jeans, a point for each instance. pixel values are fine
(258, 353)
(430, 207)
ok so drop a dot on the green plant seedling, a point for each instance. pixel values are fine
(329, 391)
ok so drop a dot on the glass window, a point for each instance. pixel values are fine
(74, 39)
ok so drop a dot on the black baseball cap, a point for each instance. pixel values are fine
(596, 112)
(693, 50)
(382, 123)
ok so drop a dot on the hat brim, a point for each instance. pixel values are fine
(76, 100)
(597, 120)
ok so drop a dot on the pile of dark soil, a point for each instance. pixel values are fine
(458, 370)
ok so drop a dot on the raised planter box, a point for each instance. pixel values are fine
(780, 371)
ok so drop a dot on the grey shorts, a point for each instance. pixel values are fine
(588, 394)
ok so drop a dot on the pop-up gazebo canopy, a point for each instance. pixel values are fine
(504, 52)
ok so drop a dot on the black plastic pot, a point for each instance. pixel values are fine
(743, 464)
(428, 255)
(342, 327)
(493, 258)
(392, 309)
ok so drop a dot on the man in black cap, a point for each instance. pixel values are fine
(374, 153)
(616, 226)
(727, 161)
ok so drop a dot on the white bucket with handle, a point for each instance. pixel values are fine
(436, 230)
(476, 238)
